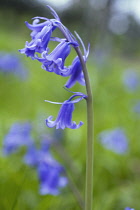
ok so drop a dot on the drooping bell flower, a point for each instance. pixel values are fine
(64, 118)
(75, 70)
(41, 35)
(54, 62)
(39, 43)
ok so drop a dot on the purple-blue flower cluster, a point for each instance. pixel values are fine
(51, 174)
(11, 64)
(128, 208)
(114, 140)
(37, 49)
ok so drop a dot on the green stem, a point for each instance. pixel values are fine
(68, 164)
(89, 155)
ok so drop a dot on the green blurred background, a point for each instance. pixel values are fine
(113, 30)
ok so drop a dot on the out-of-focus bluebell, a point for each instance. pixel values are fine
(50, 172)
(10, 63)
(64, 118)
(114, 140)
(18, 135)
(136, 108)
(34, 156)
(128, 208)
(51, 176)
(131, 79)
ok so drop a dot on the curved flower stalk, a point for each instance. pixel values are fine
(64, 118)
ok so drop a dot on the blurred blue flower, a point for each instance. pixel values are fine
(114, 140)
(128, 208)
(64, 118)
(50, 176)
(35, 156)
(11, 64)
(130, 79)
(32, 156)
(19, 135)
(50, 172)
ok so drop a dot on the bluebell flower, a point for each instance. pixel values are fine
(54, 62)
(41, 35)
(64, 118)
(19, 135)
(131, 80)
(51, 178)
(11, 64)
(128, 208)
(50, 172)
(34, 156)
(75, 70)
(39, 44)
(114, 140)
